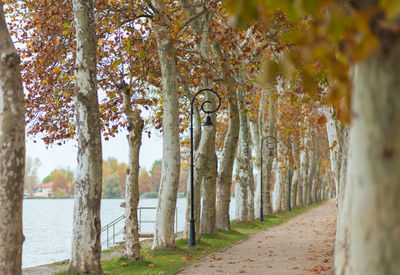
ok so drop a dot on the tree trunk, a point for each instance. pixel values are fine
(334, 145)
(85, 252)
(12, 153)
(277, 193)
(295, 177)
(196, 142)
(208, 213)
(244, 187)
(370, 240)
(164, 235)
(255, 141)
(135, 128)
(224, 178)
(311, 175)
(304, 168)
(269, 131)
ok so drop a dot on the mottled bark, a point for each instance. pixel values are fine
(135, 128)
(312, 160)
(196, 142)
(85, 252)
(369, 239)
(208, 213)
(267, 169)
(164, 235)
(295, 171)
(12, 154)
(334, 145)
(224, 178)
(244, 187)
(200, 165)
(255, 141)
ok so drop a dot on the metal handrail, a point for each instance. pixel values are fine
(111, 225)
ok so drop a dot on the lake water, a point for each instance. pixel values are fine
(47, 226)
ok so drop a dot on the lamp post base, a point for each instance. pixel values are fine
(192, 236)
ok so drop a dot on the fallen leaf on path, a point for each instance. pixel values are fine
(295, 268)
(249, 260)
(269, 266)
(242, 271)
(186, 258)
(255, 266)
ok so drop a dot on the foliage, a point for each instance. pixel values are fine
(320, 40)
(112, 187)
(60, 193)
(114, 177)
(63, 181)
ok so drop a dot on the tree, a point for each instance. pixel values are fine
(12, 153)
(86, 249)
(31, 178)
(144, 181)
(61, 183)
(135, 128)
(164, 236)
(112, 187)
(356, 43)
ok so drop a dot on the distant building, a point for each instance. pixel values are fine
(44, 190)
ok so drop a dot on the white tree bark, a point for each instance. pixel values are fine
(164, 235)
(267, 164)
(12, 154)
(369, 242)
(244, 187)
(85, 252)
(224, 178)
(334, 145)
(255, 141)
(277, 193)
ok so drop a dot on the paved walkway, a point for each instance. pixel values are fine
(303, 245)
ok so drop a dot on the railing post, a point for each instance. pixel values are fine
(176, 220)
(113, 234)
(107, 237)
(140, 219)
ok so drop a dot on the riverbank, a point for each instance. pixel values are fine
(169, 262)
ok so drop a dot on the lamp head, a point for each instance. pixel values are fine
(270, 154)
(208, 121)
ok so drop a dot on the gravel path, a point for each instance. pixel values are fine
(303, 245)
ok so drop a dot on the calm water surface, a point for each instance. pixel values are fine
(47, 225)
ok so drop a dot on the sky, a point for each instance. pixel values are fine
(65, 156)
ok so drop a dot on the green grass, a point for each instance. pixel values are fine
(170, 261)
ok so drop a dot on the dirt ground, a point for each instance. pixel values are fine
(303, 245)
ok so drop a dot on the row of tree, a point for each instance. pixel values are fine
(287, 72)
(114, 179)
(166, 50)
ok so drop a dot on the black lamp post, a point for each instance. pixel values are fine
(271, 145)
(208, 122)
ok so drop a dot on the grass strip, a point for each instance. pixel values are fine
(168, 261)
